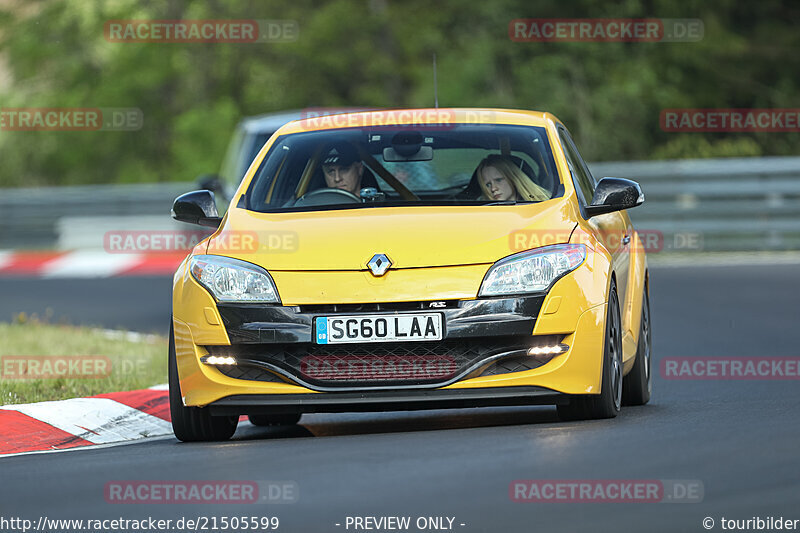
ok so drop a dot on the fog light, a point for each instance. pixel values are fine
(548, 350)
(219, 360)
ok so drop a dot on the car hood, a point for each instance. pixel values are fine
(411, 237)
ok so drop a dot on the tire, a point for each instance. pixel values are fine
(607, 403)
(193, 423)
(275, 420)
(638, 384)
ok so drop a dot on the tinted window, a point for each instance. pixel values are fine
(580, 173)
(442, 172)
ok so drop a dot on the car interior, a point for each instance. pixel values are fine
(406, 166)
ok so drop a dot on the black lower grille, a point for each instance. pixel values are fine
(376, 364)
(508, 365)
(251, 373)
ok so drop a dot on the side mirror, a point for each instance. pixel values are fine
(614, 194)
(197, 207)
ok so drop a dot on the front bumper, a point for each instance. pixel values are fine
(385, 400)
(486, 317)
(273, 340)
(481, 337)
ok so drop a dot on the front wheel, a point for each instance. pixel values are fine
(638, 384)
(607, 403)
(193, 423)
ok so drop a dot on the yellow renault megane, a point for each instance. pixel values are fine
(410, 259)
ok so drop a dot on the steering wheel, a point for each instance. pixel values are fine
(326, 196)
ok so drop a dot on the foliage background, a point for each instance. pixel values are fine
(378, 53)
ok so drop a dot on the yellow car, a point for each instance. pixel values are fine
(410, 259)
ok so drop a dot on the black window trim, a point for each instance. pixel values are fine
(565, 138)
(245, 199)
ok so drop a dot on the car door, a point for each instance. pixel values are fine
(612, 229)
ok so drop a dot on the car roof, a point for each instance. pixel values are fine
(392, 117)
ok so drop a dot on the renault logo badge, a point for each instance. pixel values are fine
(379, 264)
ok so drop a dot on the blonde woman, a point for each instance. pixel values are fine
(500, 179)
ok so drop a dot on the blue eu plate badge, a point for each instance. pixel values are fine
(322, 330)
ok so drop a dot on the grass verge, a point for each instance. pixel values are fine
(41, 362)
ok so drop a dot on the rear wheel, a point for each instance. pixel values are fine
(638, 383)
(607, 403)
(274, 420)
(193, 423)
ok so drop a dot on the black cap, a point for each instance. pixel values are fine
(340, 154)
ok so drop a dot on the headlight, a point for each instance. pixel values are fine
(532, 271)
(231, 280)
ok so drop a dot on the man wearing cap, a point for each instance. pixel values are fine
(342, 168)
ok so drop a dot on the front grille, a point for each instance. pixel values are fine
(375, 364)
(251, 373)
(508, 365)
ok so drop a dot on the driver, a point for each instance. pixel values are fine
(342, 168)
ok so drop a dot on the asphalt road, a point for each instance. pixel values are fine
(738, 438)
(132, 303)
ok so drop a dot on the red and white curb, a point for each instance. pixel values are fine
(87, 264)
(105, 419)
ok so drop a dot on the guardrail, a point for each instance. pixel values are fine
(734, 204)
(31, 217)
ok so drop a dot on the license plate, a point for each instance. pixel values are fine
(378, 328)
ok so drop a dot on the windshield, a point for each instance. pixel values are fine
(440, 164)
